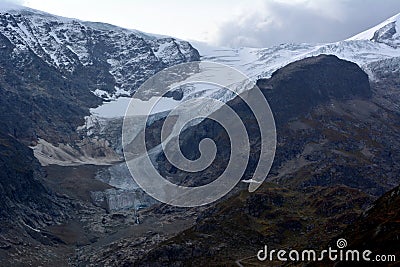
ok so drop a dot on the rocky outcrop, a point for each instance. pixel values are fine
(302, 85)
(388, 34)
(38, 100)
(23, 198)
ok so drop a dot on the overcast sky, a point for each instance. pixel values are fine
(255, 23)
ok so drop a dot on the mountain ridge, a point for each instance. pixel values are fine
(67, 44)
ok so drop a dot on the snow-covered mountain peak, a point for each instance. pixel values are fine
(387, 32)
(120, 59)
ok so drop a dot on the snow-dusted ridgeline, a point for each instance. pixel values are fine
(70, 45)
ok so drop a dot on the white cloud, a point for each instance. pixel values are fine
(271, 22)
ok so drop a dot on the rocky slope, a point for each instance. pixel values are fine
(378, 228)
(115, 60)
(26, 205)
(38, 100)
(240, 226)
(335, 157)
(23, 196)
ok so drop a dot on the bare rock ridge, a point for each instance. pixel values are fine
(300, 86)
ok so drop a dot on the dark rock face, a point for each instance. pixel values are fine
(23, 198)
(300, 86)
(378, 229)
(38, 100)
(387, 35)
